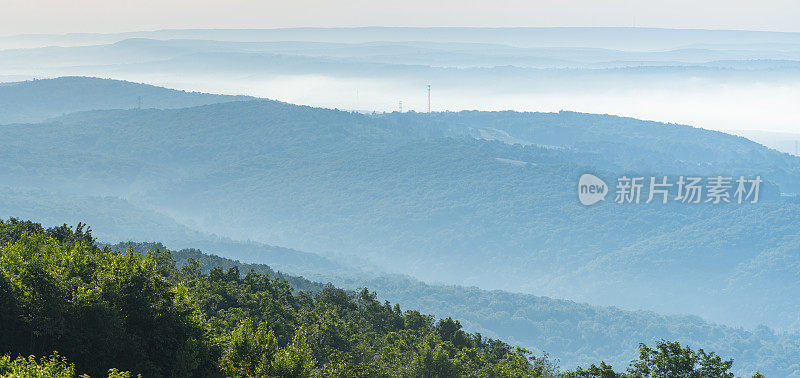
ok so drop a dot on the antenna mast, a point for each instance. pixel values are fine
(429, 98)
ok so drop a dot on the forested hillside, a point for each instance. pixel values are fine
(420, 194)
(574, 333)
(103, 310)
(38, 100)
(618, 144)
(98, 310)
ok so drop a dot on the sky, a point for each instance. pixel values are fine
(62, 16)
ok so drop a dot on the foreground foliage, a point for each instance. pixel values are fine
(104, 310)
(666, 360)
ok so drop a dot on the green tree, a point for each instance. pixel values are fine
(251, 352)
(52, 366)
(671, 360)
(296, 360)
(594, 371)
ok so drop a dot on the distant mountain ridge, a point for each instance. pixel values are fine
(436, 54)
(37, 100)
(643, 38)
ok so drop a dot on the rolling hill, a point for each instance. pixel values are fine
(572, 333)
(38, 100)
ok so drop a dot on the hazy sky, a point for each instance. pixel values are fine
(62, 16)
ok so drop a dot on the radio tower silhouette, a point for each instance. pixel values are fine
(429, 98)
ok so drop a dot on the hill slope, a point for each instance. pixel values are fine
(104, 310)
(419, 192)
(574, 333)
(37, 100)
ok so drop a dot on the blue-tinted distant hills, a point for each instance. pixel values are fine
(687, 76)
(37, 100)
(615, 38)
(136, 51)
(442, 54)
